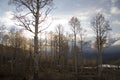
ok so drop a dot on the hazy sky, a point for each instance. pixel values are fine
(65, 9)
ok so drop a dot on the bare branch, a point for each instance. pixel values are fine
(22, 20)
(45, 15)
(44, 28)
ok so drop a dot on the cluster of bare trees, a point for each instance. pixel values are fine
(12, 37)
(57, 46)
(101, 27)
(54, 48)
(12, 42)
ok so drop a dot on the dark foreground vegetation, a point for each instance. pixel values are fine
(17, 64)
(55, 75)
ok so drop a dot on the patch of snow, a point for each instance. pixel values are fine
(116, 43)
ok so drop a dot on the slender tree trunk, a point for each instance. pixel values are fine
(36, 58)
(46, 56)
(100, 62)
(75, 53)
(36, 77)
(54, 52)
(59, 53)
(81, 55)
(52, 55)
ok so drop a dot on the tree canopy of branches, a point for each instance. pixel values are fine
(75, 25)
(100, 26)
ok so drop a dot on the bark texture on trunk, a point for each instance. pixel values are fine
(36, 66)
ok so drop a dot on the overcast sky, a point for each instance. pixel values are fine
(65, 9)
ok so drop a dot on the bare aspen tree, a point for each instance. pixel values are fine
(51, 47)
(51, 42)
(100, 26)
(75, 25)
(31, 14)
(62, 47)
(59, 31)
(66, 47)
(82, 36)
(46, 46)
(55, 48)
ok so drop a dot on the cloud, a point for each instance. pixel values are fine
(114, 1)
(116, 22)
(6, 19)
(115, 36)
(115, 10)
